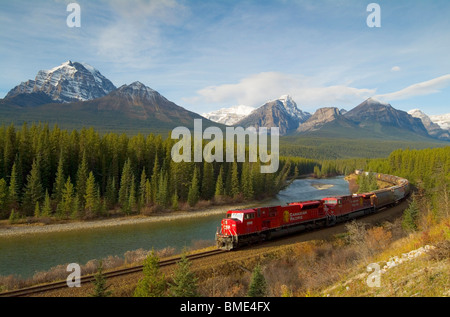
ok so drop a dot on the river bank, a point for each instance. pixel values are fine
(38, 228)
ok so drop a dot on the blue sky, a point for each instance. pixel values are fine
(209, 54)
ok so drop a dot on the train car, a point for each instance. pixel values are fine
(258, 224)
(383, 198)
(247, 226)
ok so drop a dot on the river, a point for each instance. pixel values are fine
(25, 255)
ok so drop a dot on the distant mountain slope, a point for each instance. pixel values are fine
(282, 112)
(131, 108)
(374, 112)
(433, 129)
(229, 116)
(68, 82)
(442, 120)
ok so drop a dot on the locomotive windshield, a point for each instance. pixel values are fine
(236, 215)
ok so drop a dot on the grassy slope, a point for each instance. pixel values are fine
(427, 275)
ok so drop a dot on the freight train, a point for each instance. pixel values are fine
(242, 227)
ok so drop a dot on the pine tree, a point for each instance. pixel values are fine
(100, 287)
(3, 196)
(258, 284)
(175, 200)
(142, 187)
(247, 181)
(59, 180)
(154, 282)
(194, 193)
(235, 188)
(82, 175)
(46, 208)
(410, 216)
(111, 192)
(132, 195)
(184, 281)
(37, 210)
(65, 207)
(219, 192)
(208, 181)
(155, 180)
(13, 190)
(90, 197)
(33, 189)
(125, 187)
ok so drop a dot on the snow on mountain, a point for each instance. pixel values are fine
(443, 120)
(70, 81)
(292, 109)
(229, 116)
(433, 129)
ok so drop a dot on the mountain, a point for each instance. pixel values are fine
(229, 116)
(75, 95)
(433, 129)
(322, 117)
(282, 112)
(68, 82)
(373, 113)
(137, 101)
(442, 120)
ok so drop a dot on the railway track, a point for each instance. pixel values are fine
(89, 278)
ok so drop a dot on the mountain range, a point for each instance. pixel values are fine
(76, 94)
(370, 119)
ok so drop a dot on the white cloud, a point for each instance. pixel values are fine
(133, 35)
(420, 89)
(396, 69)
(256, 89)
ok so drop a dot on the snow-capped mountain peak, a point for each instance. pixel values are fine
(443, 120)
(291, 107)
(68, 82)
(433, 128)
(229, 116)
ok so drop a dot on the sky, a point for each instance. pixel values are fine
(210, 54)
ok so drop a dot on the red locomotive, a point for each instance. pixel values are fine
(263, 223)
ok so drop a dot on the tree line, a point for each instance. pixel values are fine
(51, 172)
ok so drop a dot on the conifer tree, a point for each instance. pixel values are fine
(235, 188)
(82, 175)
(184, 281)
(90, 197)
(219, 192)
(111, 193)
(142, 186)
(154, 282)
(37, 210)
(65, 207)
(258, 284)
(125, 187)
(13, 190)
(59, 180)
(207, 184)
(247, 181)
(194, 193)
(100, 287)
(33, 189)
(3, 196)
(46, 208)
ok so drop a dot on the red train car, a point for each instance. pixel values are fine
(258, 224)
